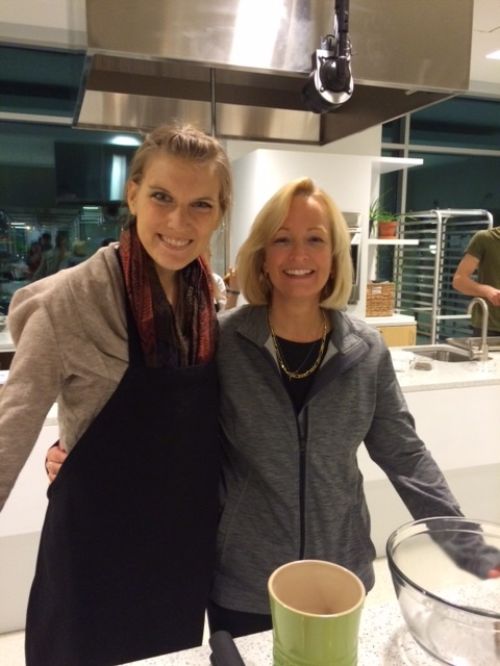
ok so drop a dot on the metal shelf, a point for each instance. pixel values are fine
(424, 273)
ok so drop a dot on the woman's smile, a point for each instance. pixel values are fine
(298, 272)
(175, 243)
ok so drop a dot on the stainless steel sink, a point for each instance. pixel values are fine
(475, 343)
(441, 352)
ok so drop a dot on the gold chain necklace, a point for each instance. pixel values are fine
(314, 366)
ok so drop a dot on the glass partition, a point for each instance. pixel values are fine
(57, 184)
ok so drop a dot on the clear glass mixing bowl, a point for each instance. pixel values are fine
(441, 570)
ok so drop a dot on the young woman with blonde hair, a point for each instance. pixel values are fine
(125, 342)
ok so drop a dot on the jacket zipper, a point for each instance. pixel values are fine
(302, 489)
(302, 434)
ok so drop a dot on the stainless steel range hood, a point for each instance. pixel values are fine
(237, 67)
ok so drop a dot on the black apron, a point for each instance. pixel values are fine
(127, 548)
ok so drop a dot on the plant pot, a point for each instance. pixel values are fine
(387, 228)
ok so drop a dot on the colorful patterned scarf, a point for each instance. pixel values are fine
(186, 336)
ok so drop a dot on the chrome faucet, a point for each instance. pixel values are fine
(484, 324)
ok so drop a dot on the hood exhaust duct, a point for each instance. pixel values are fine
(236, 68)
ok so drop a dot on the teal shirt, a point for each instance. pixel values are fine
(485, 247)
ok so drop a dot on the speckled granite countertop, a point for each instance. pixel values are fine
(443, 375)
(384, 641)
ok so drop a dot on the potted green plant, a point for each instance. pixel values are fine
(383, 221)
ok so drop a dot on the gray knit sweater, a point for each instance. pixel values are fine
(71, 346)
(271, 513)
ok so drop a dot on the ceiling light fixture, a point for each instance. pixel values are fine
(494, 55)
(124, 140)
(248, 51)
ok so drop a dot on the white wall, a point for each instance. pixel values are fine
(48, 23)
(346, 178)
(250, 170)
(368, 142)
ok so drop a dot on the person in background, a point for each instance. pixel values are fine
(220, 297)
(45, 241)
(232, 288)
(55, 259)
(220, 293)
(482, 256)
(322, 383)
(78, 253)
(33, 258)
(125, 342)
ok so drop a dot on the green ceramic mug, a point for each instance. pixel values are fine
(316, 609)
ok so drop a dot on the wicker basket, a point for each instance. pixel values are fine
(379, 299)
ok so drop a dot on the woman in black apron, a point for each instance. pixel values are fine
(126, 552)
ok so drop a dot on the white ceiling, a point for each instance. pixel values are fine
(485, 74)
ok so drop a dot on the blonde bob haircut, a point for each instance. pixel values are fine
(255, 284)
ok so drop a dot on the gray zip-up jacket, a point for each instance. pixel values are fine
(292, 484)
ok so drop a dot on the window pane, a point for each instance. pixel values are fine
(391, 132)
(455, 181)
(458, 122)
(40, 81)
(390, 185)
(46, 191)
